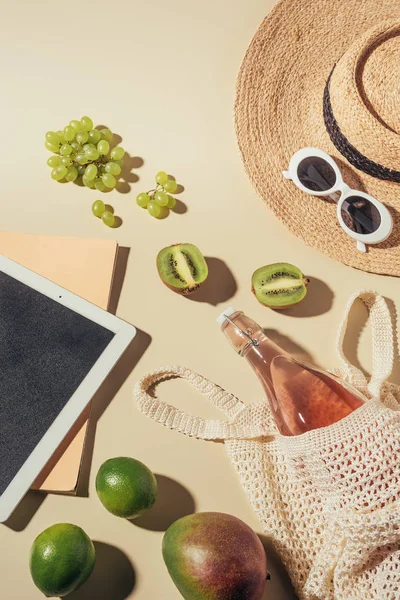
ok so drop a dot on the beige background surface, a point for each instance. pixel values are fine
(162, 75)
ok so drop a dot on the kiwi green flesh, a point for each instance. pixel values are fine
(182, 267)
(280, 285)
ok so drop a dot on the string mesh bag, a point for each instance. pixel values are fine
(329, 499)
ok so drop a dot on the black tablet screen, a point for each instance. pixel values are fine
(46, 350)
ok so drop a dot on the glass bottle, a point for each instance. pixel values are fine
(302, 397)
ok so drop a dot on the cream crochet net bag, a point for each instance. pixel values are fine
(329, 499)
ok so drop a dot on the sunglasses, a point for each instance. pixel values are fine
(360, 215)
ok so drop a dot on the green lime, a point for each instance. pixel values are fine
(126, 487)
(62, 558)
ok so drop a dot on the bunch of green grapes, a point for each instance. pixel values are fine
(80, 151)
(159, 201)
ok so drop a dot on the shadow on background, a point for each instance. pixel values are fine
(173, 502)
(118, 279)
(127, 176)
(117, 222)
(103, 397)
(219, 286)
(113, 576)
(357, 322)
(318, 301)
(180, 207)
(279, 586)
(25, 510)
(291, 347)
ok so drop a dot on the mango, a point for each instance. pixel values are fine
(215, 556)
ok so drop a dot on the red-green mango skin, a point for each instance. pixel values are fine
(214, 556)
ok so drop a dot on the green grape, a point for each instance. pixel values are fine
(81, 169)
(171, 202)
(113, 168)
(86, 147)
(61, 137)
(59, 172)
(94, 136)
(170, 186)
(103, 147)
(72, 174)
(69, 133)
(76, 125)
(62, 170)
(161, 198)
(106, 134)
(98, 207)
(153, 208)
(108, 180)
(91, 172)
(66, 150)
(117, 153)
(74, 145)
(52, 137)
(86, 123)
(52, 147)
(99, 185)
(65, 160)
(164, 212)
(92, 154)
(81, 158)
(161, 177)
(88, 182)
(108, 218)
(143, 199)
(53, 161)
(82, 137)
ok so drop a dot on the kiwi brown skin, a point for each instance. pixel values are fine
(281, 268)
(180, 291)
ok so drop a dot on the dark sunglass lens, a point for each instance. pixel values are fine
(360, 215)
(316, 174)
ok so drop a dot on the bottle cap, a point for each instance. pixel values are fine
(226, 313)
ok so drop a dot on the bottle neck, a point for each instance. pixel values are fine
(261, 356)
(250, 341)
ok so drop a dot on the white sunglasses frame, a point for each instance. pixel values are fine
(386, 225)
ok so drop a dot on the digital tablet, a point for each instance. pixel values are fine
(55, 351)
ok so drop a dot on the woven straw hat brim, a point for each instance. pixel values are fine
(279, 109)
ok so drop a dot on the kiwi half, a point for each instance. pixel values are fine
(182, 267)
(279, 286)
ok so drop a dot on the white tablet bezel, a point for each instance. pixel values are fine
(124, 334)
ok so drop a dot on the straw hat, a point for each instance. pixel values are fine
(341, 58)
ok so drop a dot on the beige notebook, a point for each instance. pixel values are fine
(85, 267)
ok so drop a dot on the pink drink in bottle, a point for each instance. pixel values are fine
(301, 396)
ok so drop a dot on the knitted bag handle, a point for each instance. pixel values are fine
(382, 340)
(192, 425)
(205, 429)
